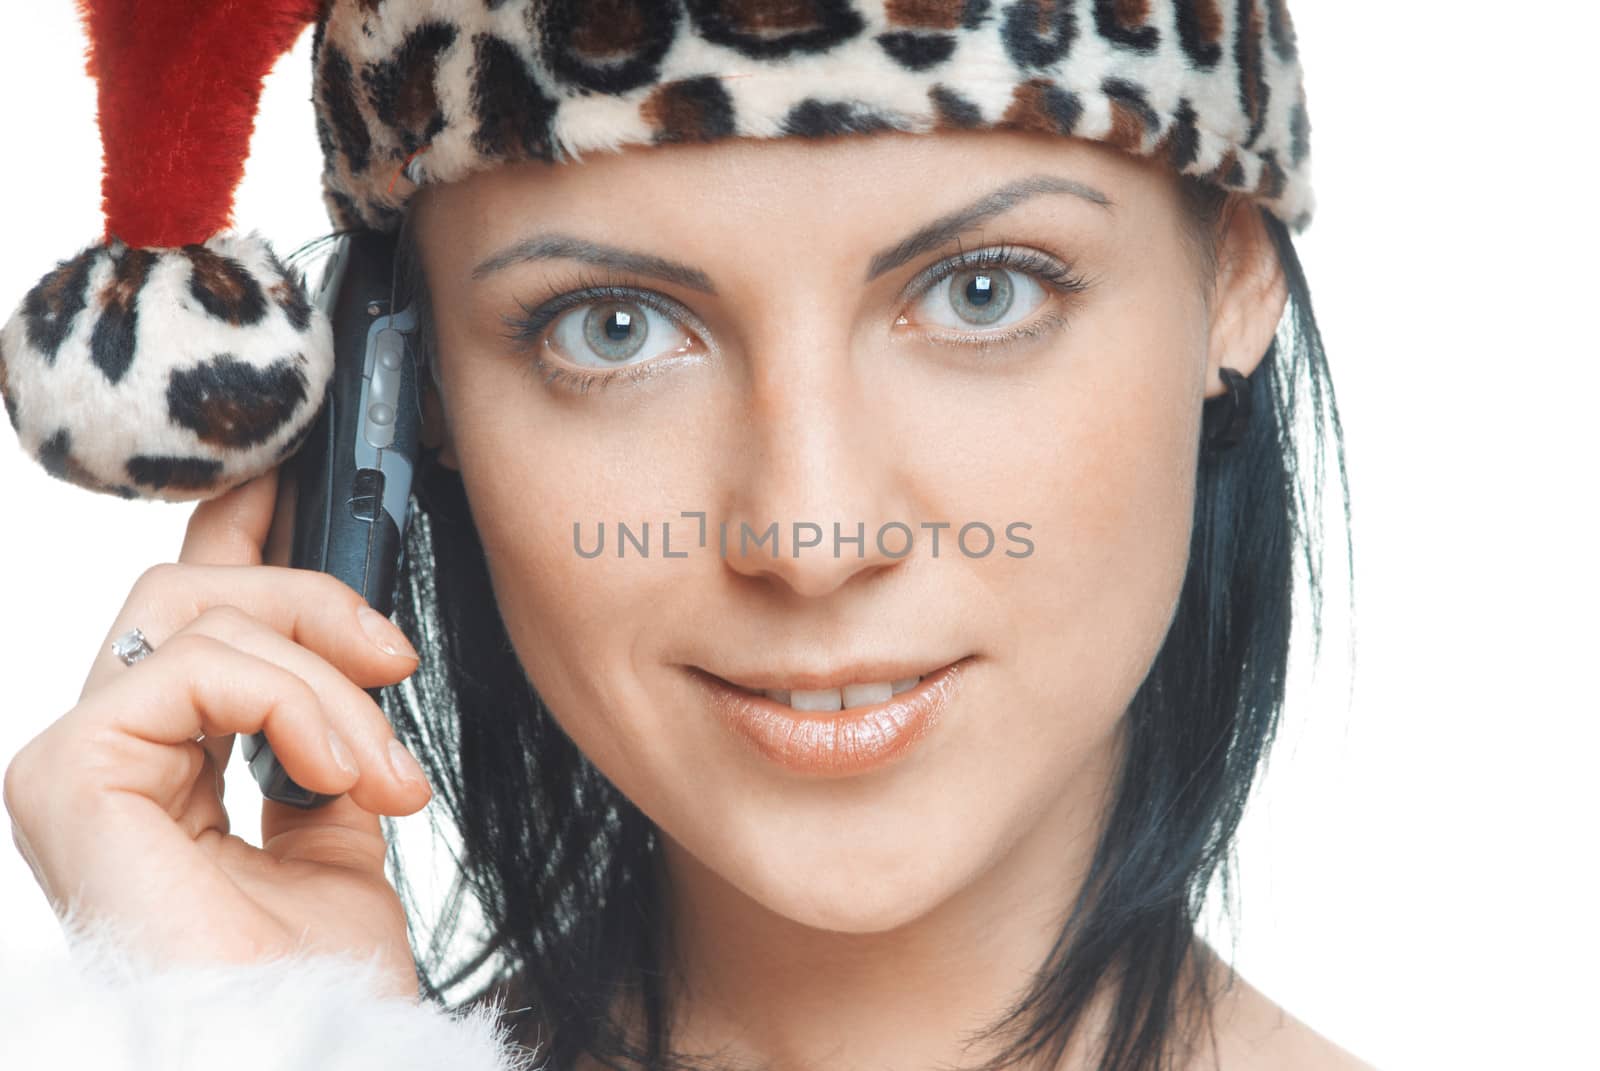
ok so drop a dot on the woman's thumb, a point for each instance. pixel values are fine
(338, 833)
(232, 528)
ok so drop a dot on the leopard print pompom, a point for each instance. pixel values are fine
(165, 373)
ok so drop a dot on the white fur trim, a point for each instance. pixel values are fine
(97, 1006)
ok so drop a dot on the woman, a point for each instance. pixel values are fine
(922, 743)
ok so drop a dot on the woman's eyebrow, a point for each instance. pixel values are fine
(556, 246)
(989, 205)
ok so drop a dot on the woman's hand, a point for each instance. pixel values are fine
(117, 806)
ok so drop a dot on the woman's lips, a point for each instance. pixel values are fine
(836, 743)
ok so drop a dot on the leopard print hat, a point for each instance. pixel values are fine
(176, 358)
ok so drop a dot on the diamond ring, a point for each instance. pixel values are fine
(131, 647)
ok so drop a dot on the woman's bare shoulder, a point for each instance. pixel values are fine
(1254, 1034)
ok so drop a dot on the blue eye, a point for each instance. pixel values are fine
(605, 334)
(613, 329)
(999, 287)
(988, 295)
(983, 297)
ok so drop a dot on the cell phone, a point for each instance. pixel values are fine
(344, 497)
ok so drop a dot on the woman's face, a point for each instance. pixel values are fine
(775, 354)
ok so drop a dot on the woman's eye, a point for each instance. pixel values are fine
(986, 298)
(992, 297)
(603, 332)
(612, 332)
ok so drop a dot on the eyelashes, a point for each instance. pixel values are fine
(1050, 277)
(1056, 281)
(526, 331)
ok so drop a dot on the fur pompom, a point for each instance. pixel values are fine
(171, 373)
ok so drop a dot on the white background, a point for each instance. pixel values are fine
(1416, 874)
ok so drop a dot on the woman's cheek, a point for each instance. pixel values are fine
(1108, 486)
(580, 621)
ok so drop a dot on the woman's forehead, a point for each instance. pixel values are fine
(854, 186)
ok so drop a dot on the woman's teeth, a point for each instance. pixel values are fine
(851, 695)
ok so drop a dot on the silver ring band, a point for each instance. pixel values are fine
(131, 647)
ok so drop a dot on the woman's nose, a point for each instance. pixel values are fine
(819, 487)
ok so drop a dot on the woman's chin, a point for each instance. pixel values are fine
(824, 884)
(854, 904)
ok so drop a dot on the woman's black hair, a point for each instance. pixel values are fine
(556, 909)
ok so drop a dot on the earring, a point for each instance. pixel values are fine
(1226, 416)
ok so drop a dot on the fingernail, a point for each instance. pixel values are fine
(405, 767)
(341, 753)
(385, 634)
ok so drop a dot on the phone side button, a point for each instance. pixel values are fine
(366, 494)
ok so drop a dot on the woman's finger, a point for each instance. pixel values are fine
(312, 609)
(196, 685)
(232, 528)
(137, 738)
(220, 748)
(205, 808)
(358, 720)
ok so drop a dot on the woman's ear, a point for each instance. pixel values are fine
(1249, 297)
(435, 429)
